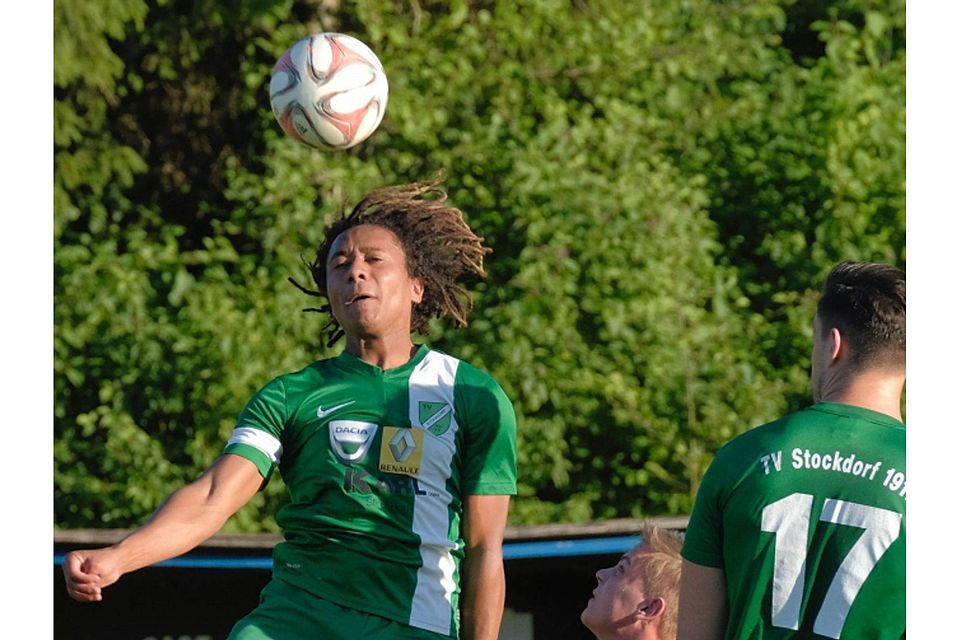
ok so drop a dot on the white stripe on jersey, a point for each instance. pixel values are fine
(433, 381)
(258, 439)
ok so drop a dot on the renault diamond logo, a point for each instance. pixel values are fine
(401, 451)
(402, 445)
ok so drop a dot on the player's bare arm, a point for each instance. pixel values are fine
(484, 587)
(187, 518)
(703, 603)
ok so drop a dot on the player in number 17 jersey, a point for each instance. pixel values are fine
(799, 527)
(807, 518)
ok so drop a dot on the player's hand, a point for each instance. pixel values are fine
(88, 572)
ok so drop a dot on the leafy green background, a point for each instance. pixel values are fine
(664, 185)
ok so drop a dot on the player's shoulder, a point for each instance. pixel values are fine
(822, 418)
(309, 374)
(853, 416)
(470, 375)
(472, 384)
(463, 369)
(764, 436)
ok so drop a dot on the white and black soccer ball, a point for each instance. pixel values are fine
(329, 90)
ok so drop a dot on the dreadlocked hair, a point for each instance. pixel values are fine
(438, 245)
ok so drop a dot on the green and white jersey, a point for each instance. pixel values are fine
(807, 518)
(377, 463)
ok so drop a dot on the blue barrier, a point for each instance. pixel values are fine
(511, 551)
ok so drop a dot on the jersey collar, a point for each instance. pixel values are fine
(839, 408)
(352, 363)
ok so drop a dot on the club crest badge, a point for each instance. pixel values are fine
(435, 417)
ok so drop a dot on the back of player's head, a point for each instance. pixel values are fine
(661, 570)
(867, 303)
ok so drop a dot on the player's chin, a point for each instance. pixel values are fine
(585, 614)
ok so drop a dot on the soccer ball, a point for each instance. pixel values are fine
(328, 90)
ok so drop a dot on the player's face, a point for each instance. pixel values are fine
(620, 591)
(371, 293)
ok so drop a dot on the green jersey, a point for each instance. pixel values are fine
(378, 463)
(807, 518)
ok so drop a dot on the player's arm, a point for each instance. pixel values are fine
(186, 518)
(703, 603)
(484, 584)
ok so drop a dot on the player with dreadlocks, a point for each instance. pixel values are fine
(438, 246)
(400, 460)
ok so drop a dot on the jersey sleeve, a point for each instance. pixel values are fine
(490, 436)
(257, 435)
(703, 541)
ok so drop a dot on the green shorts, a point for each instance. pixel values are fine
(286, 612)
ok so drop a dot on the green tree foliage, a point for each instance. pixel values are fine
(664, 185)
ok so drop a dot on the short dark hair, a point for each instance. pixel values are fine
(438, 245)
(867, 302)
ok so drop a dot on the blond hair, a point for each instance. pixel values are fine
(661, 572)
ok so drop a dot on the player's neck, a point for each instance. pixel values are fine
(386, 352)
(878, 391)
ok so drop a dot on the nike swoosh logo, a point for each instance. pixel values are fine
(323, 413)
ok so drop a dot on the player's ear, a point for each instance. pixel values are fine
(651, 608)
(837, 344)
(416, 290)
